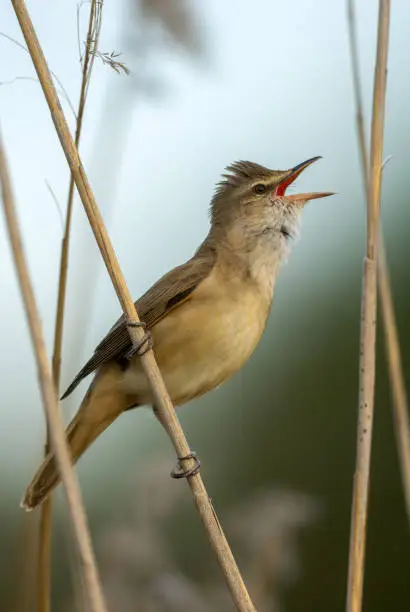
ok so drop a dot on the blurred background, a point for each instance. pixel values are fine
(210, 83)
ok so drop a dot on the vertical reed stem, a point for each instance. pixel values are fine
(44, 552)
(368, 326)
(49, 396)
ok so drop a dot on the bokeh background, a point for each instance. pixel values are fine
(211, 82)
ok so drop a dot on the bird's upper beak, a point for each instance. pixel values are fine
(291, 175)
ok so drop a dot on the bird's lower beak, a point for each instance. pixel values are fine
(291, 176)
(310, 196)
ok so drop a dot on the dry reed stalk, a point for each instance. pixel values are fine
(49, 395)
(27, 563)
(44, 552)
(368, 325)
(162, 400)
(398, 387)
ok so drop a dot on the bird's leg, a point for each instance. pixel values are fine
(179, 471)
(144, 345)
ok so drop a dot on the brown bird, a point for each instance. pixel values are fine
(205, 317)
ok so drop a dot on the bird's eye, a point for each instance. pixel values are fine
(285, 232)
(259, 188)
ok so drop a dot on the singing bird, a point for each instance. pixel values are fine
(205, 317)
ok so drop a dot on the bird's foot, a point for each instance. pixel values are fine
(180, 472)
(144, 345)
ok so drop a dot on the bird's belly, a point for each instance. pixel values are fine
(198, 347)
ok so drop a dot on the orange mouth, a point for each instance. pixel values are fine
(292, 176)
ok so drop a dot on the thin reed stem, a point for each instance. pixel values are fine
(60, 84)
(398, 387)
(27, 563)
(49, 397)
(162, 400)
(44, 553)
(44, 550)
(368, 324)
(400, 403)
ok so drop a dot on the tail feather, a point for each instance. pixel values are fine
(96, 413)
(47, 476)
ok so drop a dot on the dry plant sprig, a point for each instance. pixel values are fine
(399, 396)
(368, 322)
(91, 46)
(61, 86)
(49, 396)
(56, 202)
(44, 553)
(110, 59)
(162, 399)
(16, 79)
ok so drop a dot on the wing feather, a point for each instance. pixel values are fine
(166, 294)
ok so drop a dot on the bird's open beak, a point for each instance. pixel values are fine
(291, 176)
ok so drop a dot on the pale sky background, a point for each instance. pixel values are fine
(263, 92)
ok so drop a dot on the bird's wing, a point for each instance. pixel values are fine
(169, 292)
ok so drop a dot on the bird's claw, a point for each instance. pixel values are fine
(144, 345)
(180, 472)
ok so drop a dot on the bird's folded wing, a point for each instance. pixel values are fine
(168, 293)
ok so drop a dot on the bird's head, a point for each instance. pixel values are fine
(252, 209)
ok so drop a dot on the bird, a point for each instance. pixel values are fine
(205, 317)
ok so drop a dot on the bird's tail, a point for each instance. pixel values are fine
(97, 412)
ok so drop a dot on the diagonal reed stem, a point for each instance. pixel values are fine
(44, 552)
(49, 396)
(398, 387)
(400, 403)
(162, 400)
(368, 323)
